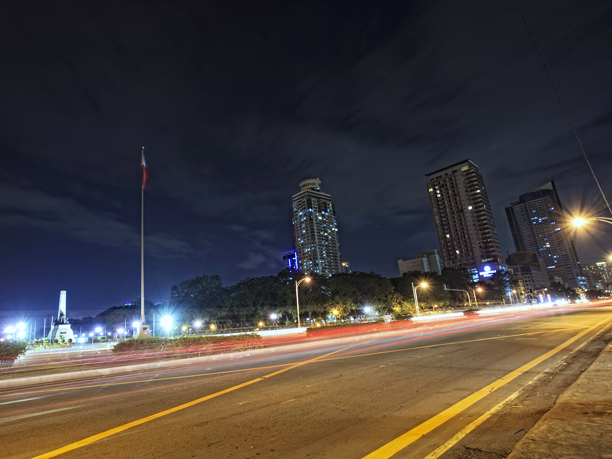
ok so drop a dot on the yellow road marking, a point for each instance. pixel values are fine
(466, 430)
(129, 425)
(401, 442)
(244, 370)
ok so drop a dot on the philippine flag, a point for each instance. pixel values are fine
(144, 169)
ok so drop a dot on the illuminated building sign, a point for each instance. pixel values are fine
(290, 260)
(487, 270)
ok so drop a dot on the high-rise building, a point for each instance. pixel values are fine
(464, 221)
(537, 223)
(315, 234)
(425, 262)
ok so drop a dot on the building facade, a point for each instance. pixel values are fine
(530, 270)
(464, 221)
(425, 262)
(315, 232)
(537, 222)
(597, 275)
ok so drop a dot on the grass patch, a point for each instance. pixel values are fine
(190, 344)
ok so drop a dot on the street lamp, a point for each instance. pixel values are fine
(166, 322)
(297, 298)
(581, 221)
(414, 293)
(479, 290)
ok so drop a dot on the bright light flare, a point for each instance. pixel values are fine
(21, 326)
(307, 279)
(579, 221)
(98, 329)
(197, 324)
(10, 329)
(121, 331)
(166, 322)
(424, 284)
(367, 309)
(274, 316)
(135, 324)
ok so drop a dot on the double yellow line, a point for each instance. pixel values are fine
(129, 425)
(384, 452)
(401, 442)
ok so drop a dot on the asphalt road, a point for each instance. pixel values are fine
(465, 391)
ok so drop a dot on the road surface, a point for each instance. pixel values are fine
(468, 390)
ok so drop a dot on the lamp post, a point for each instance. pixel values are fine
(414, 293)
(297, 297)
(477, 289)
(581, 221)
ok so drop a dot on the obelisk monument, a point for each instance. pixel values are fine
(61, 329)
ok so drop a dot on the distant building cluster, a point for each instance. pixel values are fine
(468, 238)
(466, 232)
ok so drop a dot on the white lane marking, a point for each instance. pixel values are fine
(19, 401)
(24, 416)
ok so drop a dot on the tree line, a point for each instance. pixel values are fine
(252, 300)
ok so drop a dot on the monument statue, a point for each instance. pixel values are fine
(61, 329)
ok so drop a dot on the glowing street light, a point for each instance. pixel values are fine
(414, 293)
(273, 316)
(581, 221)
(197, 324)
(11, 329)
(213, 327)
(21, 326)
(98, 330)
(166, 322)
(367, 309)
(297, 299)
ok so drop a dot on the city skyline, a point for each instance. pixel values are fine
(237, 105)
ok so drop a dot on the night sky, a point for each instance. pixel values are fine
(237, 102)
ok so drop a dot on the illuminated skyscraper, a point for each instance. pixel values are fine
(537, 222)
(315, 234)
(464, 221)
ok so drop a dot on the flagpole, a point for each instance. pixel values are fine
(142, 307)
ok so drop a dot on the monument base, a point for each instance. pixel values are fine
(144, 331)
(62, 333)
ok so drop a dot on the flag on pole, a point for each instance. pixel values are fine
(144, 169)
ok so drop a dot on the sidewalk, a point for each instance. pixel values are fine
(580, 423)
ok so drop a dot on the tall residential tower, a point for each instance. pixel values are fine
(537, 222)
(464, 221)
(315, 234)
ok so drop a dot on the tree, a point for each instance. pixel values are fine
(200, 297)
(350, 293)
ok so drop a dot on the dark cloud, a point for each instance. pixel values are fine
(238, 102)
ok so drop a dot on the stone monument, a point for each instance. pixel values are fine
(61, 329)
